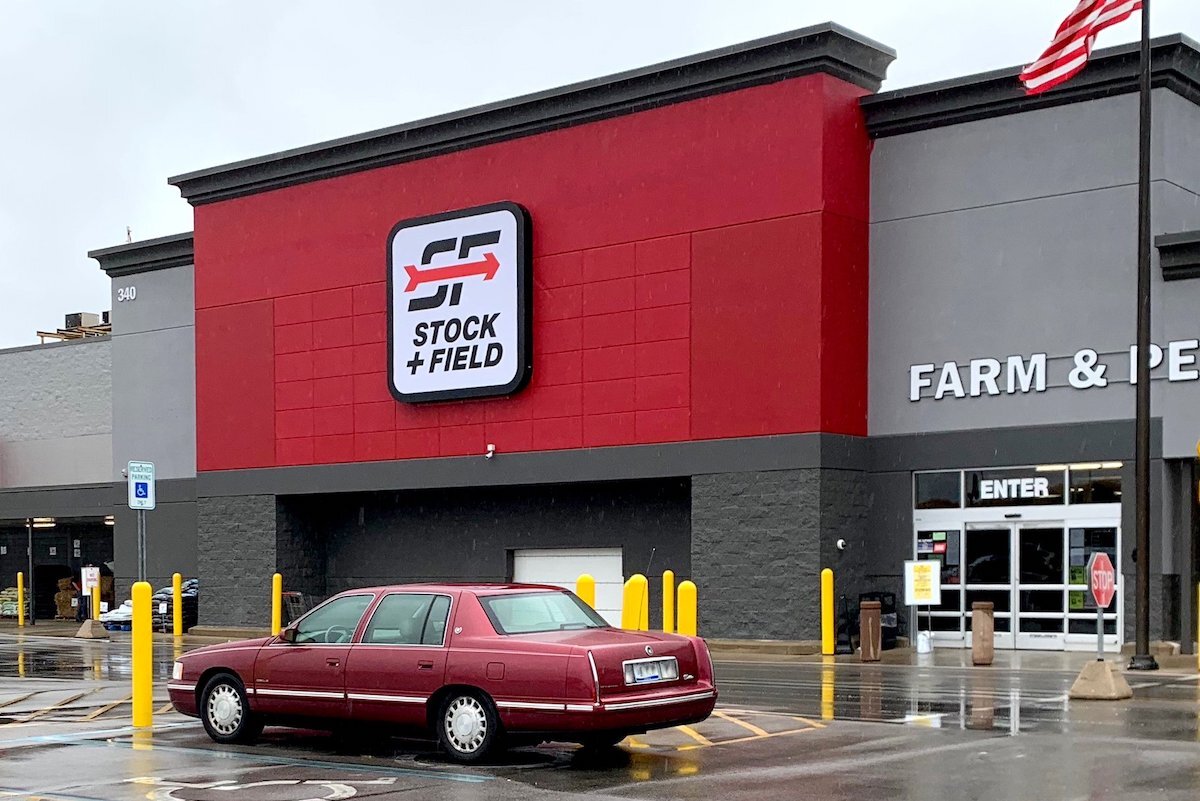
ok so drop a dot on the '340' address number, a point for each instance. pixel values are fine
(126, 293)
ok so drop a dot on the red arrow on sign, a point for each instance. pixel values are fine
(487, 267)
(1102, 579)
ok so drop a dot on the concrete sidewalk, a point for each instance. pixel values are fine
(1065, 661)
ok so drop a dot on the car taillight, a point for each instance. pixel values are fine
(595, 675)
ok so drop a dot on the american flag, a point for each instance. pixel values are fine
(1072, 45)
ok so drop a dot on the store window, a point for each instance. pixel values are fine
(1029, 486)
(1096, 483)
(1083, 543)
(938, 490)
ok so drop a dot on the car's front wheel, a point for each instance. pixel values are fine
(226, 712)
(468, 726)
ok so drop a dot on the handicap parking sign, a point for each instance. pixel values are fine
(141, 485)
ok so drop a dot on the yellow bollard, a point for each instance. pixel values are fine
(669, 601)
(276, 604)
(143, 657)
(21, 600)
(827, 630)
(687, 608)
(177, 603)
(633, 599)
(644, 608)
(96, 602)
(585, 588)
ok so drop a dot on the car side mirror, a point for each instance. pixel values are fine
(288, 635)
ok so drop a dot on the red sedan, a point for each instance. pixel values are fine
(477, 665)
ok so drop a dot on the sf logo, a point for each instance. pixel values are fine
(486, 265)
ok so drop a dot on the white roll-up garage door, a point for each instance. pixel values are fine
(562, 566)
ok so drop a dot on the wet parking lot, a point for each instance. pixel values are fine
(784, 729)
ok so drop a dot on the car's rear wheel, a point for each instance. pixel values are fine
(468, 726)
(226, 713)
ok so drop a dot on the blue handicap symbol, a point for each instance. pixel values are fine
(141, 489)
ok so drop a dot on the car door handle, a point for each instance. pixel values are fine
(423, 665)
(332, 661)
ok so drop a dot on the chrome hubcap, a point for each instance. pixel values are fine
(224, 709)
(466, 724)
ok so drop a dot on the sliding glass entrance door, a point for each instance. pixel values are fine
(987, 575)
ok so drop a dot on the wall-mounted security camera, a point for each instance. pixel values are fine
(841, 545)
(491, 451)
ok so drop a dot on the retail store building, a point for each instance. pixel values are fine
(737, 315)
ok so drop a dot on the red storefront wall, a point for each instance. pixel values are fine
(700, 272)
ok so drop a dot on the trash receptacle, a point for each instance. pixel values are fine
(889, 622)
(983, 628)
(869, 635)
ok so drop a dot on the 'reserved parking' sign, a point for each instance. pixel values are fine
(459, 304)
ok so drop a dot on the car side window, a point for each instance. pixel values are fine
(408, 619)
(435, 627)
(334, 622)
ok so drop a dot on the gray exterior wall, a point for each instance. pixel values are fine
(154, 373)
(56, 414)
(1017, 235)
(760, 540)
(237, 555)
(326, 544)
(154, 419)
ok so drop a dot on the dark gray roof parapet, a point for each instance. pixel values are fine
(827, 48)
(1179, 255)
(142, 257)
(1175, 64)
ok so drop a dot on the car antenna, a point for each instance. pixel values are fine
(651, 560)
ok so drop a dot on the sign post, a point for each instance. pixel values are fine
(141, 499)
(1102, 583)
(1100, 680)
(922, 587)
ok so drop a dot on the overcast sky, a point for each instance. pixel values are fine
(101, 101)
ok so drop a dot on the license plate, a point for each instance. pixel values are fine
(647, 671)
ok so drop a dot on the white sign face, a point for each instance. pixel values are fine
(91, 578)
(141, 485)
(459, 306)
(923, 582)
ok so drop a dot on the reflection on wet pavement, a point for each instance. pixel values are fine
(979, 699)
(783, 730)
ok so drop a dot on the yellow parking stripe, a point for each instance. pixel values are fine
(695, 735)
(744, 739)
(18, 699)
(49, 709)
(635, 743)
(748, 726)
(814, 723)
(165, 709)
(106, 708)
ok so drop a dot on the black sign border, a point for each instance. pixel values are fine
(524, 306)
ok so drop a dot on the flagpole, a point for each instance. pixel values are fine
(1142, 658)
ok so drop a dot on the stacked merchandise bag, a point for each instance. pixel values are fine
(8, 602)
(63, 598)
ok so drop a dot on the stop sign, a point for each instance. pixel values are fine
(1102, 579)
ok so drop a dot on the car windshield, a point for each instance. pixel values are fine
(532, 612)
